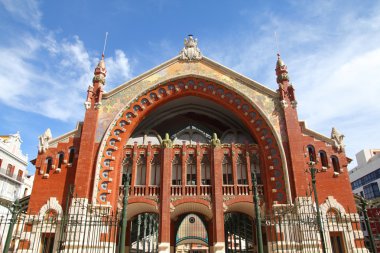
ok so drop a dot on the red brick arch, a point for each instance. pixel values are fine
(130, 117)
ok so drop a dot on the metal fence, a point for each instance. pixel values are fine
(296, 229)
(85, 228)
(88, 228)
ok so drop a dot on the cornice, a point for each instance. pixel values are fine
(314, 134)
(67, 135)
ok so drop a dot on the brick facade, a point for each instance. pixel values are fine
(280, 143)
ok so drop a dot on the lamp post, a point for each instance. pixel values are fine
(126, 178)
(313, 171)
(15, 208)
(260, 247)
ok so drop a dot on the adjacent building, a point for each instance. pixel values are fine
(15, 183)
(365, 181)
(365, 177)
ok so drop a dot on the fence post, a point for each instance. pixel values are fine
(363, 205)
(15, 210)
(260, 247)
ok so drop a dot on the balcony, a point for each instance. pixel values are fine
(11, 175)
(194, 190)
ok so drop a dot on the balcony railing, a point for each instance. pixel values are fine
(12, 175)
(176, 190)
(142, 190)
(192, 190)
(228, 190)
(205, 190)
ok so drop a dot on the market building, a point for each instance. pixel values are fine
(186, 141)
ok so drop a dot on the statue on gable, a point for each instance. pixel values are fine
(338, 139)
(191, 51)
(44, 139)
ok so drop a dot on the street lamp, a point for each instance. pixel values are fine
(256, 201)
(313, 171)
(125, 182)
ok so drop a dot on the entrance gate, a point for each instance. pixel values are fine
(144, 233)
(238, 232)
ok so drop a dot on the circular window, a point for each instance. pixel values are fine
(191, 219)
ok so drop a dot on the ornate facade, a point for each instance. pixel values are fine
(191, 132)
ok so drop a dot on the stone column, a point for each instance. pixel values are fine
(217, 196)
(164, 229)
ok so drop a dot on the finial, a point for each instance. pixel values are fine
(280, 62)
(281, 70)
(190, 52)
(278, 48)
(105, 43)
(100, 70)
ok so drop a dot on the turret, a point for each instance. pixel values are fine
(286, 89)
(87, 149)
(95, 91)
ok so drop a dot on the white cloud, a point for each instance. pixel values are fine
(333, 58)
(27, 12)
(118, 69)
(47, 75)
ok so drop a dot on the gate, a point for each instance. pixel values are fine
(238, 232)
(144, 233)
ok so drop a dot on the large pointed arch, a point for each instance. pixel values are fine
(252, 117)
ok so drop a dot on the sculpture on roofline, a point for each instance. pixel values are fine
(44, 139)
(191, 51)
(338, 139)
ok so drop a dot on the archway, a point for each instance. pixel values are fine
(252, 120)
(191, 234)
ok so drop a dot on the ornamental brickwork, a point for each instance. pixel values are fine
(191, 132)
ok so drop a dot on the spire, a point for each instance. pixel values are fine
(100, 72)
(281, 70)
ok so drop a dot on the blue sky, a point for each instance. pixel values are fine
(48, 50)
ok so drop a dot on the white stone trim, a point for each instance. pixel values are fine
(51, 204)
(332, 203)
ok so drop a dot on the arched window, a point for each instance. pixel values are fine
(191, 170)
(335, 163)
(71, 154)
(323, 157)
(205, 169)
(49, 164)
(141, 170)
(255, 168)
(177, 170)
(60, 159)
(155, 170)
(227, 170)
(332, 216)
(311, 152)
(50, 216)
(241, 171)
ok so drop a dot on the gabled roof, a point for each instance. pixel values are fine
(221, 68)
